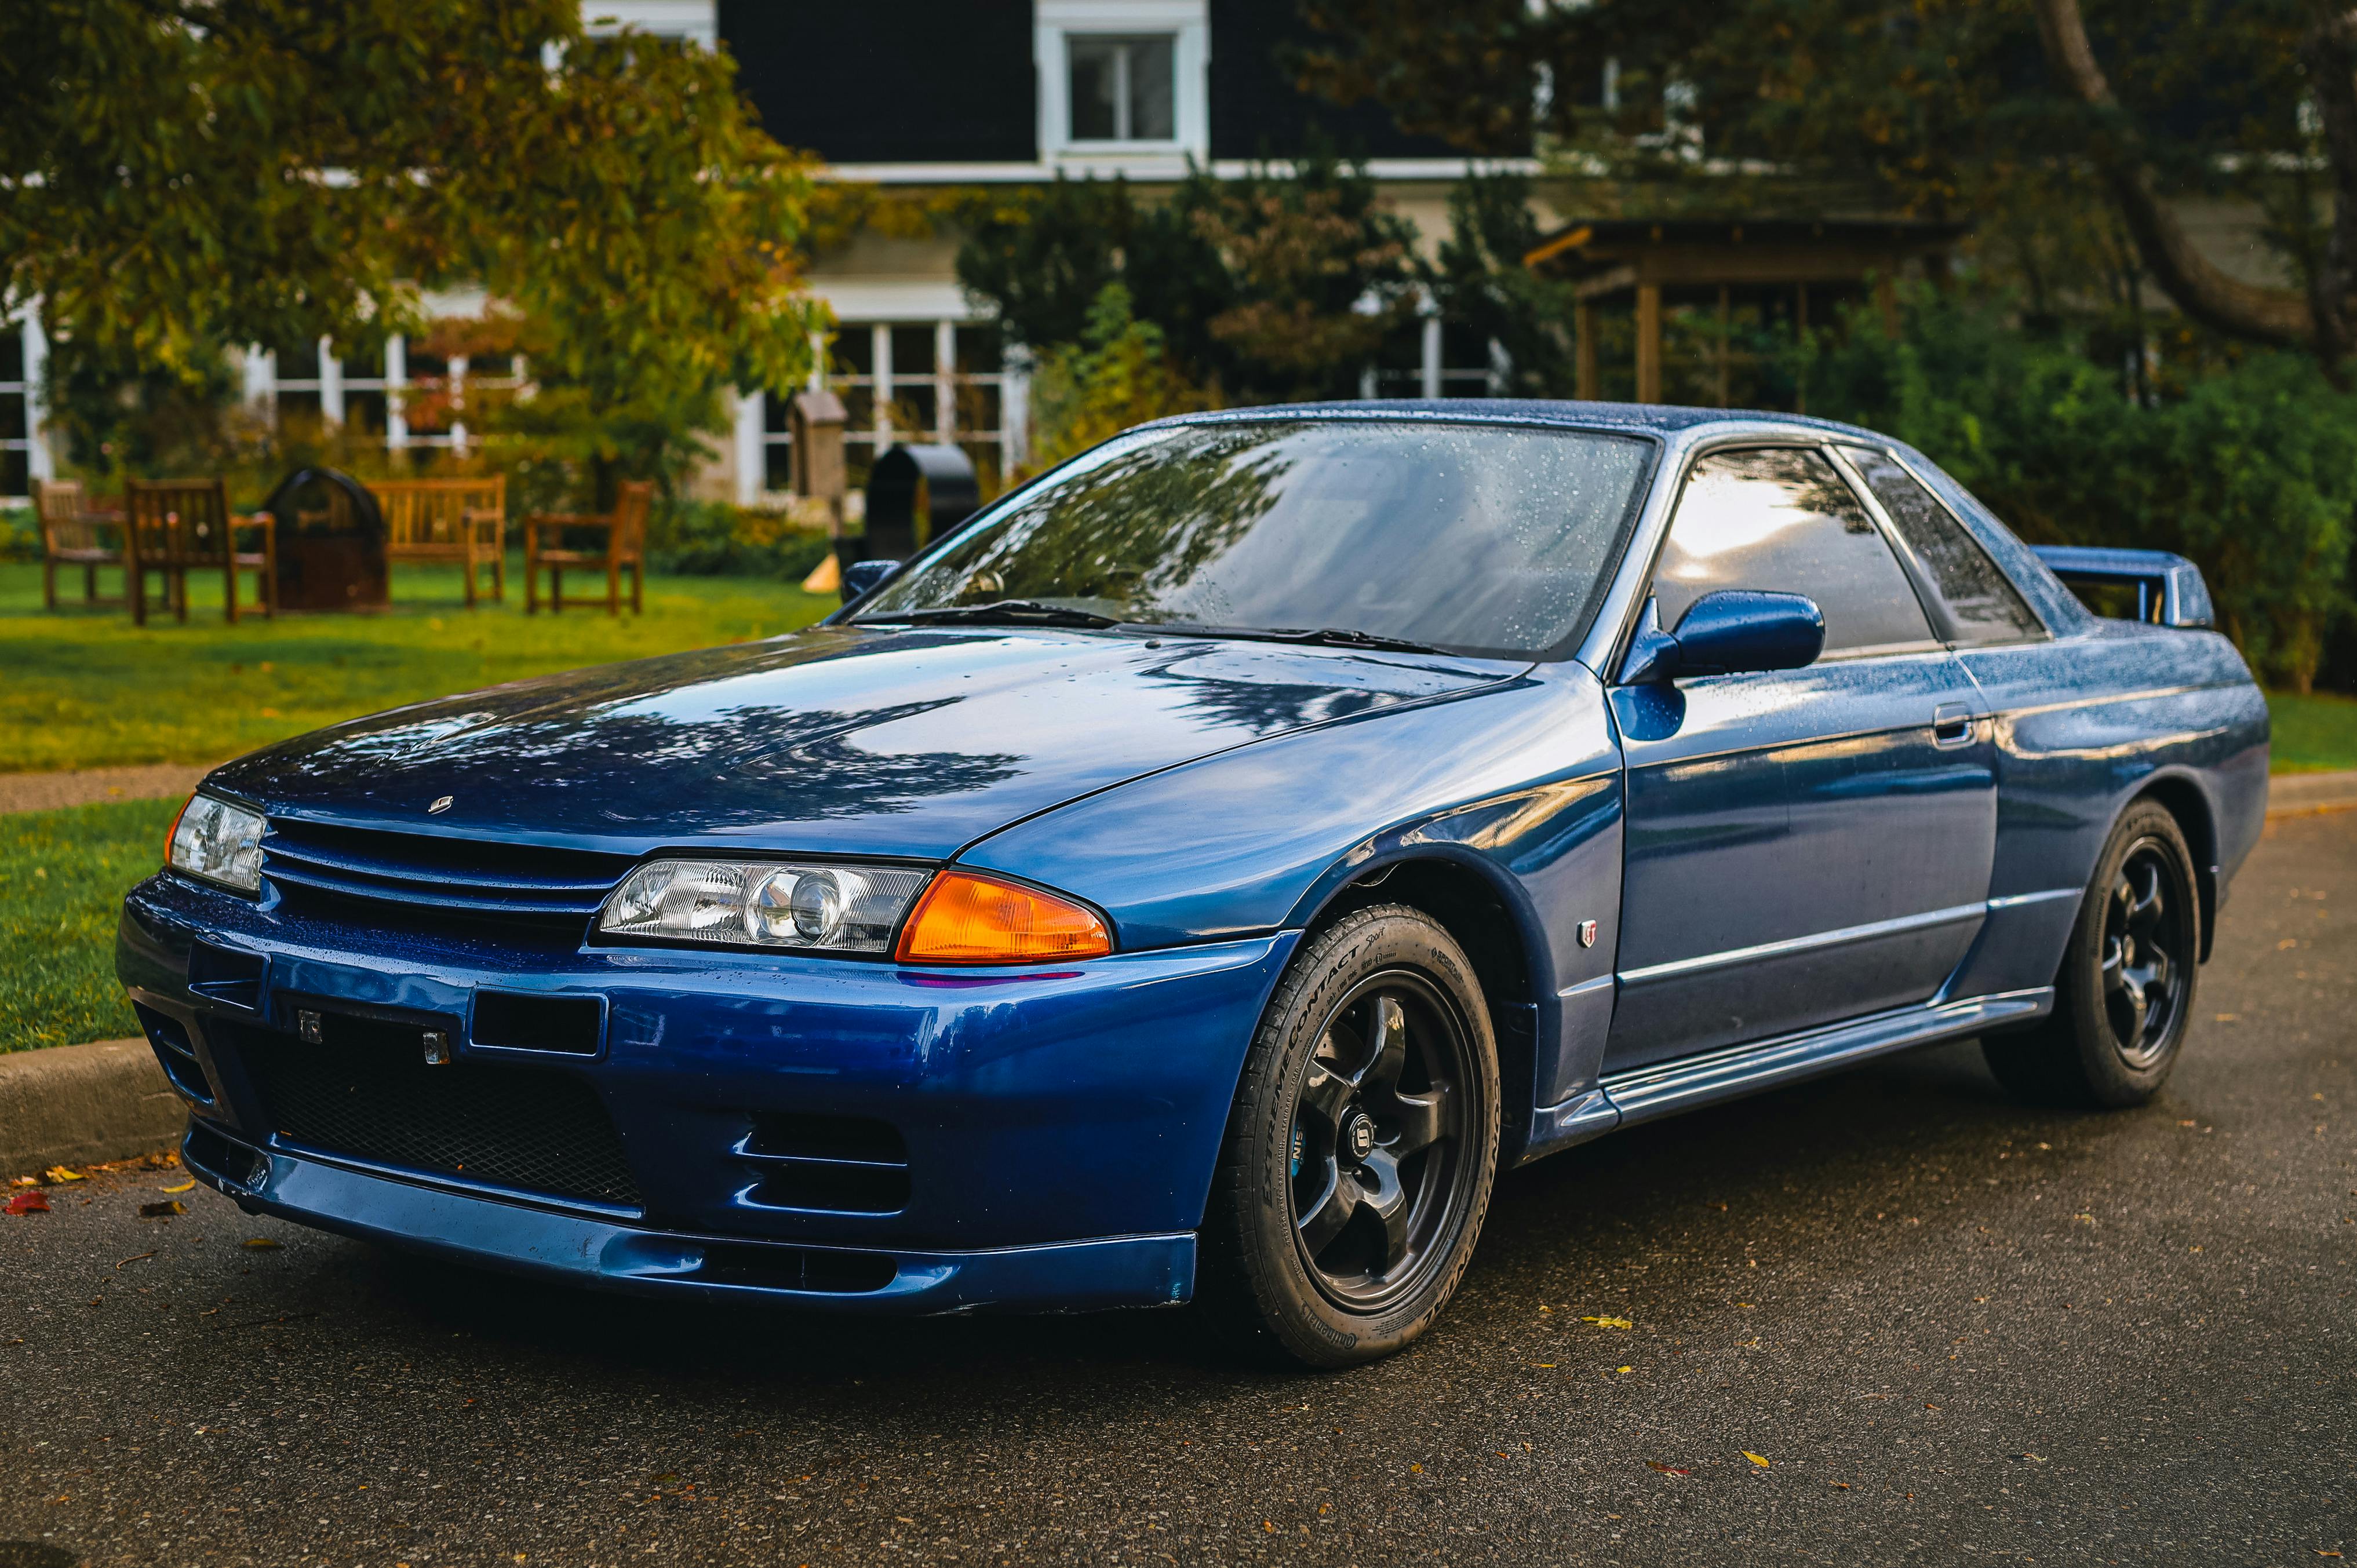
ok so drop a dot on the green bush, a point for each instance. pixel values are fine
(2247, 470)
(20, 534)
(711, 539)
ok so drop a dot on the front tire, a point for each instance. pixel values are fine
(1363, 1145)
(2125, 993)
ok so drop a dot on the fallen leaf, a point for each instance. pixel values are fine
(159, 1211)
(1416, 1469)
(1929, 1405)
(59, 1172)
(1623, 1368)
(262, 1243)
(1755, 1458)
(1843, 1484)
(1609, 1322)
(184, 1187)
(1667, 1469)
(33, 1202)
(25, 1181)
(132, 1259)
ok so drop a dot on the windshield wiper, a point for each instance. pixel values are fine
(1351, 637)
(999, 612)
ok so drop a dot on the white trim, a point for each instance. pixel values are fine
(697, 21)
(752, 456)
(396, 381)
(39, 461)
(1155, 166)
(896, 299)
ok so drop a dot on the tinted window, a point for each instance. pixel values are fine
(1478, 540)
(1782, 520)
(1983, 604)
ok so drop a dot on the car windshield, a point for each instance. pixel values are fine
(1482, 539)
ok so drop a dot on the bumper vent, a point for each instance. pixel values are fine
(365, 1091)
(176, 1052)
(445, 877)
(841, 1164)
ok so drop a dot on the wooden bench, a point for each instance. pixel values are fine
(624, 548)
(177, 526)
(464, 521)
(74, 534)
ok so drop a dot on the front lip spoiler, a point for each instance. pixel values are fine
(1069, 1276)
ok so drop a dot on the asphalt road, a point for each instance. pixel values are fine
(1954, 1329)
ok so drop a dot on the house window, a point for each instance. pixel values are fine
(15, 413)
(1123, 89)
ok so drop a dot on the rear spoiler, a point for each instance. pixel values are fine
(2169, 588)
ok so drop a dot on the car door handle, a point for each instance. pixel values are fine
(1951, 724)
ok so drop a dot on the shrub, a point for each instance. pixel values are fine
(710, 539)
(2247, 470)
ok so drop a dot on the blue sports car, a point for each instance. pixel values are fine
(1195, 877)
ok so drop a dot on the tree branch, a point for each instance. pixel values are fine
(2202, 290)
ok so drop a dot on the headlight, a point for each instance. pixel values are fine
(830, 908)
(218, 841)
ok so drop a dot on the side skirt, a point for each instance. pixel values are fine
(1662, 1089)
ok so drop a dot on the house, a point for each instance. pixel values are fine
(910, 93)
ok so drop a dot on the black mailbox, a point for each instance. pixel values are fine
(915, 495)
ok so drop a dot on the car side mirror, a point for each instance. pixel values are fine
(861, 576)
(1729, 632)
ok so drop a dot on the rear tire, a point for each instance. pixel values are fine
(2124, 994)
(1361, 1148)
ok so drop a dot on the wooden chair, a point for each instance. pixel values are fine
(74, 534)
(625, 532)
(464, 521)
(177, 526)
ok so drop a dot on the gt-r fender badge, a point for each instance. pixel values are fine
(439, 805)
(1587, 933)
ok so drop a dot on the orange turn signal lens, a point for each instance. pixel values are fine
(964, 918)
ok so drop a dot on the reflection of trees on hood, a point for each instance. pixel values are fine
(1136, 529)
(740, 767)
(1268, 708)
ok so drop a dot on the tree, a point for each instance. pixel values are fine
(187, 174)
(2005, 112)
(1263, 287)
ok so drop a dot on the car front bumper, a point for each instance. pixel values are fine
(1057, 1128)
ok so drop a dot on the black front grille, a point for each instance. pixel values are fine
(365, 1091)
(466, 877)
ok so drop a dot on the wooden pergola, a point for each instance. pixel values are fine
(1611, 256)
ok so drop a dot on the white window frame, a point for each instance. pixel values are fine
(34, 442)
(1186, 21)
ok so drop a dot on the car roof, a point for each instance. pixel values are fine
(1661, 419)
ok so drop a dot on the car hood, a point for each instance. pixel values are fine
(906, 741)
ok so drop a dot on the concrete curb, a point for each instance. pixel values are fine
(2305, 794)
(77, 1105)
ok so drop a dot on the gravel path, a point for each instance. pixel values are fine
(88, 786)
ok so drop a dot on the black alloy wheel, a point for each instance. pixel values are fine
(2123, 996)
(2147, 963)
(1362, 1147)
(1376, 1172)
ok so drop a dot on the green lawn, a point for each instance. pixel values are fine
(84, 689)
(63, 876)
(2315, 734)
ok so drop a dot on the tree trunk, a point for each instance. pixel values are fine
(2205, 291)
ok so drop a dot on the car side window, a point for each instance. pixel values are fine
(1782, 520)
(1984, 605)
